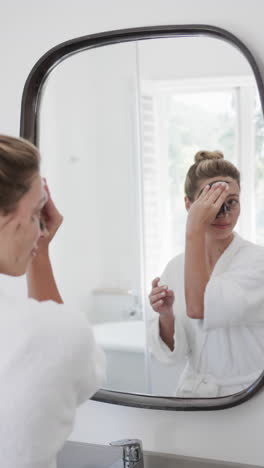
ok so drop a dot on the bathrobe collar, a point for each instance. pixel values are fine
(228, 254)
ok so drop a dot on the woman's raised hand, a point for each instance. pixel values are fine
(204, 210)
(51, 220)
(161, 298)
(41, 282)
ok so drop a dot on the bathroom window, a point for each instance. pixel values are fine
(178, 119)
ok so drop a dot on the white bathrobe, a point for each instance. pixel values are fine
(224, 351)
(49, 364)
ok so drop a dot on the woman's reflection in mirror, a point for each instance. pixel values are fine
(209, 302)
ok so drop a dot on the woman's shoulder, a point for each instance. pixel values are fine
(245, 256)
(174, 269)
(176, 262)
(41, 319)
(248, 247)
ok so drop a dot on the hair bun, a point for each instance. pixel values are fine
(202, 155)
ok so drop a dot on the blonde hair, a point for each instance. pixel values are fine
(19, 163)
(208, 164)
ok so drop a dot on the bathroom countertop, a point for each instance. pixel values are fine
(82, 455)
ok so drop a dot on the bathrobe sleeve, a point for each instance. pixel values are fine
(173, 277)
(236, 297)
(160, 350)
(66, 342)
(49, 365)
(88, 358)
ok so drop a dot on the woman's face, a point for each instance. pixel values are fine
(226, 220)
(20, 231)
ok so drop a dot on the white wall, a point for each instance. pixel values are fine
(28, 29)
(190, 57)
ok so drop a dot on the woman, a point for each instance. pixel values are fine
(49, 361)
(210, 303)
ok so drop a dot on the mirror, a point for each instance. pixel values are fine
(118, 128)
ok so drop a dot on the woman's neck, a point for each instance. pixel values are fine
(215, 248)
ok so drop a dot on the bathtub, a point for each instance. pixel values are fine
(129, 369)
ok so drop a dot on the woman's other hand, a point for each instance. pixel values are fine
(161, 298)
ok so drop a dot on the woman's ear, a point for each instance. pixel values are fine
(187, 203)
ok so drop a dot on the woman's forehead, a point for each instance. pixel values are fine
(231, 182)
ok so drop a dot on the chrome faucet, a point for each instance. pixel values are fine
(132, 453)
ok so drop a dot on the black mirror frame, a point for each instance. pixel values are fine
(29, 130)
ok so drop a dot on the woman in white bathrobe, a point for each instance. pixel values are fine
(49, 361)
(209, 303)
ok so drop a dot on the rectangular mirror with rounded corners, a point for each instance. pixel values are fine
(118, 118)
